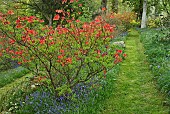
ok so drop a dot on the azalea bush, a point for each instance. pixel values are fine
(122, 20)
(63, 56)
(78, 9)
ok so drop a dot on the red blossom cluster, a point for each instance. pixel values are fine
(118, 57)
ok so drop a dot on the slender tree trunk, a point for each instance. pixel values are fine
(104, 5)
(139, 10)
(50, 20)
(115, 6)
(144, 17)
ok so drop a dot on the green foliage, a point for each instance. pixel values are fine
(137, 7)
(157, 43)
(89, 8)
(154, 23)
(63, 90)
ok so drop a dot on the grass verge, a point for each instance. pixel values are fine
(9, 76)
(157, 45)
(7, 93)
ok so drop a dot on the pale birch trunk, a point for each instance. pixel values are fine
(144, 17)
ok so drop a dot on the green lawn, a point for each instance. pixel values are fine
(9, 76)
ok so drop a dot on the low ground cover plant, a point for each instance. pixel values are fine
(88, 98)
(157, 43)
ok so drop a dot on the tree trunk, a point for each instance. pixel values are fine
(139, 9)
(50, 20)
(144, 17)
(115, 6)
(104, 5)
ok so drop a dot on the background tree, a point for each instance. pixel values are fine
(166, 6)
(104, 5)
(144, 17)
(137, 7)
(115, 6)
(46, 9)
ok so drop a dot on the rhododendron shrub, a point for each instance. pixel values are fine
(122, 20)
(64, 56)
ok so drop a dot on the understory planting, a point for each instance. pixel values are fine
(157, 43)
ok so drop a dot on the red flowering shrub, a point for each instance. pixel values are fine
(65, 55)
(122, 20)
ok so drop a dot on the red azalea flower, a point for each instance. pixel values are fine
(41, 21)
(19, 25)
(57, 17)
(11, 41)
(103, 9)
(10, 12)
(80, 5)
(59, 11)
(61, 51)
(64, 1)
(71, 1)
(87, 43)
(19, 63)
(69, 60)
(6, 23)
(60, 57)
(124, 55)
(77, 21)
(42, 41)
(119, 51)
(18, 21)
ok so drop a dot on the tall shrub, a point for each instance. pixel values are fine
(64, 56)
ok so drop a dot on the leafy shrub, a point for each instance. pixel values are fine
(135, 23)
(166, 21)
(65, 55)
(122, 20)
(154, 23)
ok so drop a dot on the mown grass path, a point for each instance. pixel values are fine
(135, 90)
